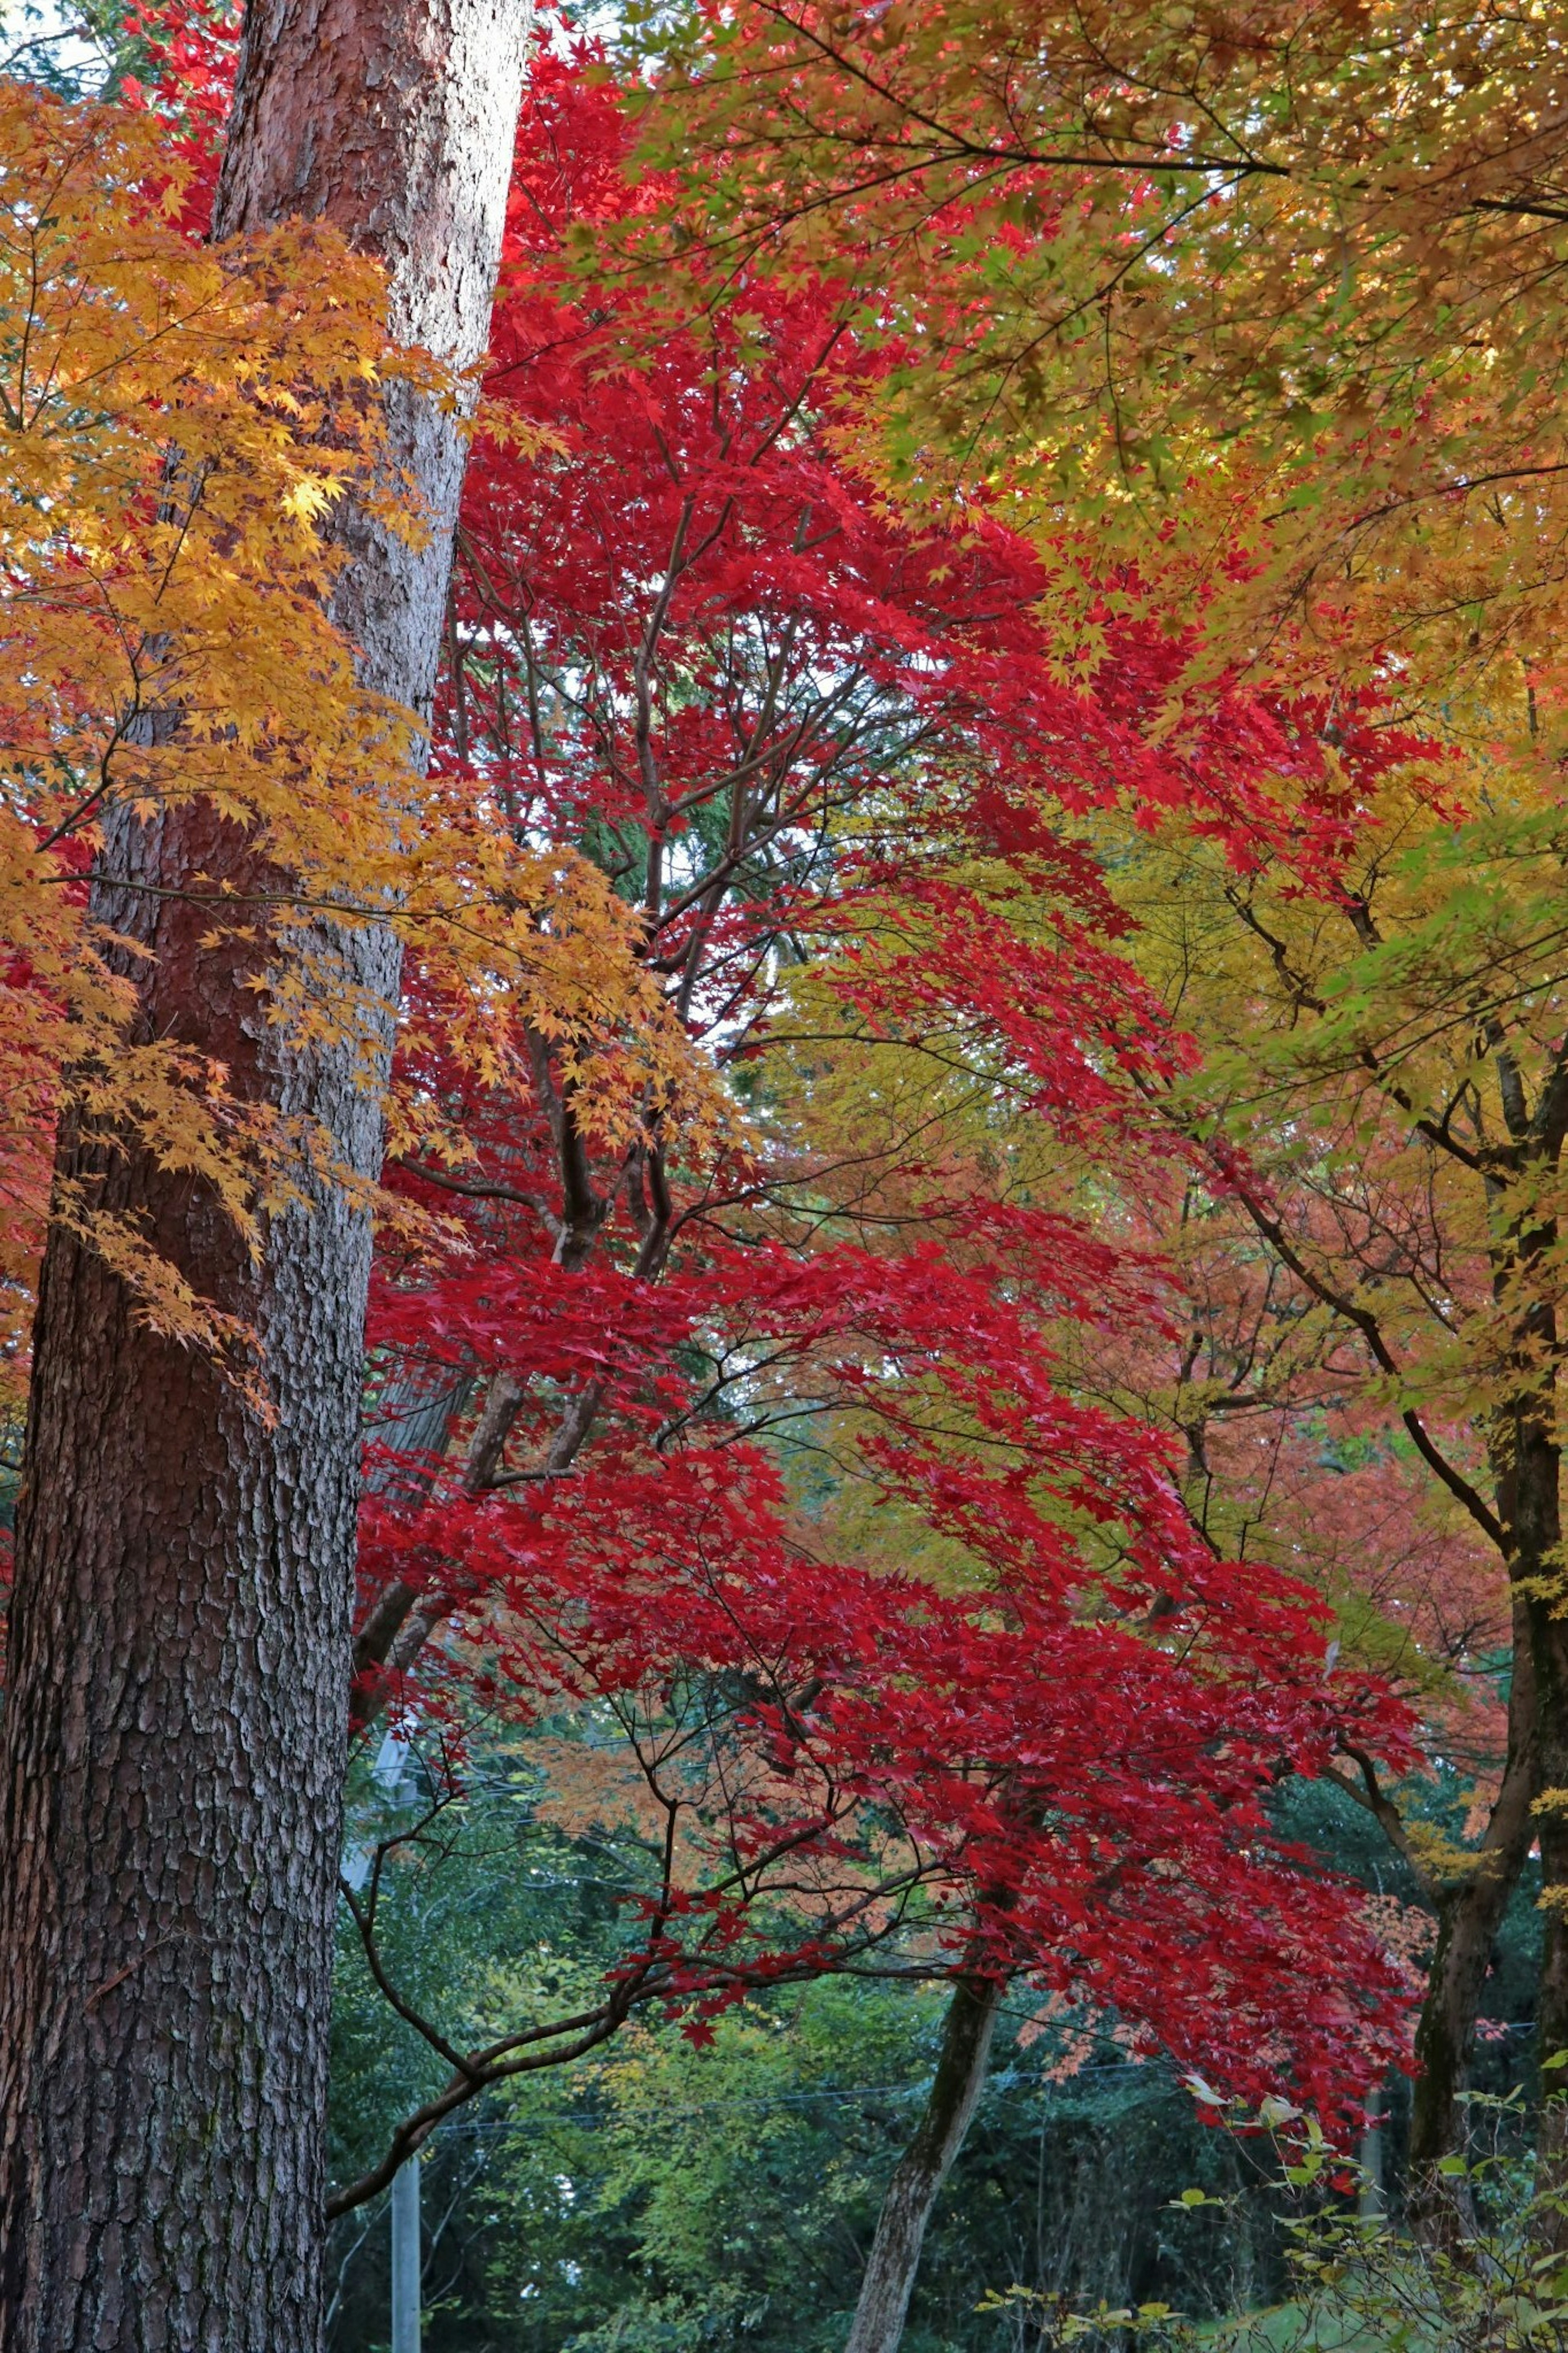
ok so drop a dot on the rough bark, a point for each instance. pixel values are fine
(1551, 2016)
(1527, 1472)
(894, 2260)
(169, 1815)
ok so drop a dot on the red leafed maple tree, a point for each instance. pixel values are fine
(745, 1437)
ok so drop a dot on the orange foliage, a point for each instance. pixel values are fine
(183, 421)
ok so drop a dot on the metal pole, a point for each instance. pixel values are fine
(407, 2263)
(1370, 2204)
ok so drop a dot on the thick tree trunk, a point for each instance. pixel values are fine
(180, 1628)
(894, 2259)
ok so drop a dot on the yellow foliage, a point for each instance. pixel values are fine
(180, 423)
(1284, 282)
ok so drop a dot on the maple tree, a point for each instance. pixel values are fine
(131, 343)
(646, 1411)
(1273, 290)
(1362, 1382)
(1388, 1059)
(1254, 321)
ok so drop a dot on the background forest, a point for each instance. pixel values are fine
(672, 2199)
(949, 1068)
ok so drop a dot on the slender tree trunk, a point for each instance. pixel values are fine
(1552, 2014)
(1371, 2204)
(894, 2260)
(170, 1816)
(1439, 2205)
(1470, 1914)
(1538, 1460)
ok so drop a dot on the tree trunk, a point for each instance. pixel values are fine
(1470, 1914)
(894, 2260)
(1548, 1656)
(170, 1817)
(1439, 2205)
(1552, 2015)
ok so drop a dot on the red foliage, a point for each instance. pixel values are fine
(693, 641)
(690, 640)
(193, 46)
(848, 1756)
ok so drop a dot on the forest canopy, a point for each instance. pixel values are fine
(783, 1091)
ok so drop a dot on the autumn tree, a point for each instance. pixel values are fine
(1280, 287)
(1362, 1375)
(698, 1399)
(1256, 324)
(179, 1637)
(1385, 1065)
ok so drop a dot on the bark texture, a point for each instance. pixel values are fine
(170, 1811)
(894, 2260)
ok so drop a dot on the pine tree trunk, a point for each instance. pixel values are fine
(894, 2260)
(170, 1816)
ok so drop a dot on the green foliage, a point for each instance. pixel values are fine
(1493, 2275)
(1360, 2283)
(666, 2198)
(657, 2198)
(473, 1928)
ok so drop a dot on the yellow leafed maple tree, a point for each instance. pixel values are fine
(181, 422)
